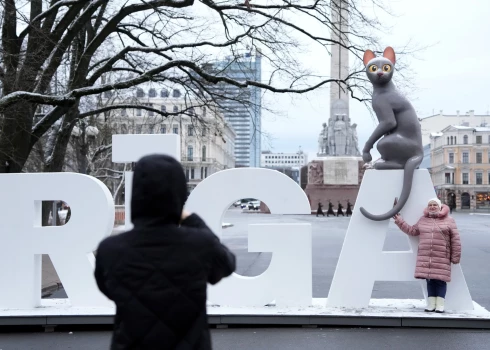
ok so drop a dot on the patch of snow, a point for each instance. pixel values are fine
(376, 308)
(407, 308)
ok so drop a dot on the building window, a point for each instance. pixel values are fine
(151, 128)
(202, 173)
(451, 158)
(465, 157)
(163, 130)
(138, 129)
(151, 113)
(447, 178)
(489, 177)
(482, 200)
(203, 153)
(176, 130)
(138, 112)
(140, 92)
(164, 109)
(152, 93)
(190, 153)
(205, 172)
(455, 142)
(204, 113)
(465, 179)
(164, 93)
(187, 173)
(488, 138)
(176, 109)
(479, 157)
(465, 139)
(191, 111)
(190, 130)
(124, 112)
(478, 140)
(192, 173)
(176, 93)
(204, 131)
(479, 178)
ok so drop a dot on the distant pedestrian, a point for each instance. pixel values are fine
(339, 210)
(319, 210)
(348, 212)
(157, 273)
(330, 209)
(439, 246)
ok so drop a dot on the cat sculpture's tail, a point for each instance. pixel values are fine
(408, 172)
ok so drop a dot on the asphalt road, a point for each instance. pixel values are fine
(275, 339)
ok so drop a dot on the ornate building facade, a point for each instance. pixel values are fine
(460, 166)
(207, 140)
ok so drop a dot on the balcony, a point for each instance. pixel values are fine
(196, 160)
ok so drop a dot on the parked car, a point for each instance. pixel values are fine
(237, 204)
(255, 205)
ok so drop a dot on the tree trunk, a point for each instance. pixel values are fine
(15, 136)
(57, 158)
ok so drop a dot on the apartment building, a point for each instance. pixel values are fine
(460, 166)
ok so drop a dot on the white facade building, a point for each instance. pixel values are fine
(207, 140)
(460, 166)
(276, 160)
(438, 122)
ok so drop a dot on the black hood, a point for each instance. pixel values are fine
(159, 191)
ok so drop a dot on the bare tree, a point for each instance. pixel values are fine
(169, 41)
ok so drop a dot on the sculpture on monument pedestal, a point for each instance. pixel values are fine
(315, 173)
(399, 129)
(339, 138)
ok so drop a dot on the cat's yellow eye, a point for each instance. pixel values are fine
(386, 68)
(373, 68)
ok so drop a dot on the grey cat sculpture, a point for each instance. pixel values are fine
(399, 128)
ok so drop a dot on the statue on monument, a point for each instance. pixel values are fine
(339, 138)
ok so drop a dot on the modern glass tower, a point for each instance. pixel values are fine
(242, 107)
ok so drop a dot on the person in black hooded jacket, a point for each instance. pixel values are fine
(157, 273)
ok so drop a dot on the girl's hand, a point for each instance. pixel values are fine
(396, 216)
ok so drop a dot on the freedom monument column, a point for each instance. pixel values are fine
(336, 174)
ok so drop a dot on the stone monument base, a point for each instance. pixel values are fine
(334, 179)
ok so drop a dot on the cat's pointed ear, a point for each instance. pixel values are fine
(389, 53)
(368, 56)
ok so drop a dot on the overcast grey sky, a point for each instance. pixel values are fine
(452, 74)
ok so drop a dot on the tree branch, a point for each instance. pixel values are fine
(35, 98)
(52, 9)
(126, 105)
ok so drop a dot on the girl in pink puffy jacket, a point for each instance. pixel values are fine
(439, 246)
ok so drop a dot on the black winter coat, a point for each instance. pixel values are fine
(157, 273)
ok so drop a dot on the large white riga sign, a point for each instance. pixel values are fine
(287, 281)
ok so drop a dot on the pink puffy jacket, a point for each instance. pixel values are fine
(439, 244)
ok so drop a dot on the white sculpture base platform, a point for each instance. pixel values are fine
(380, 312)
